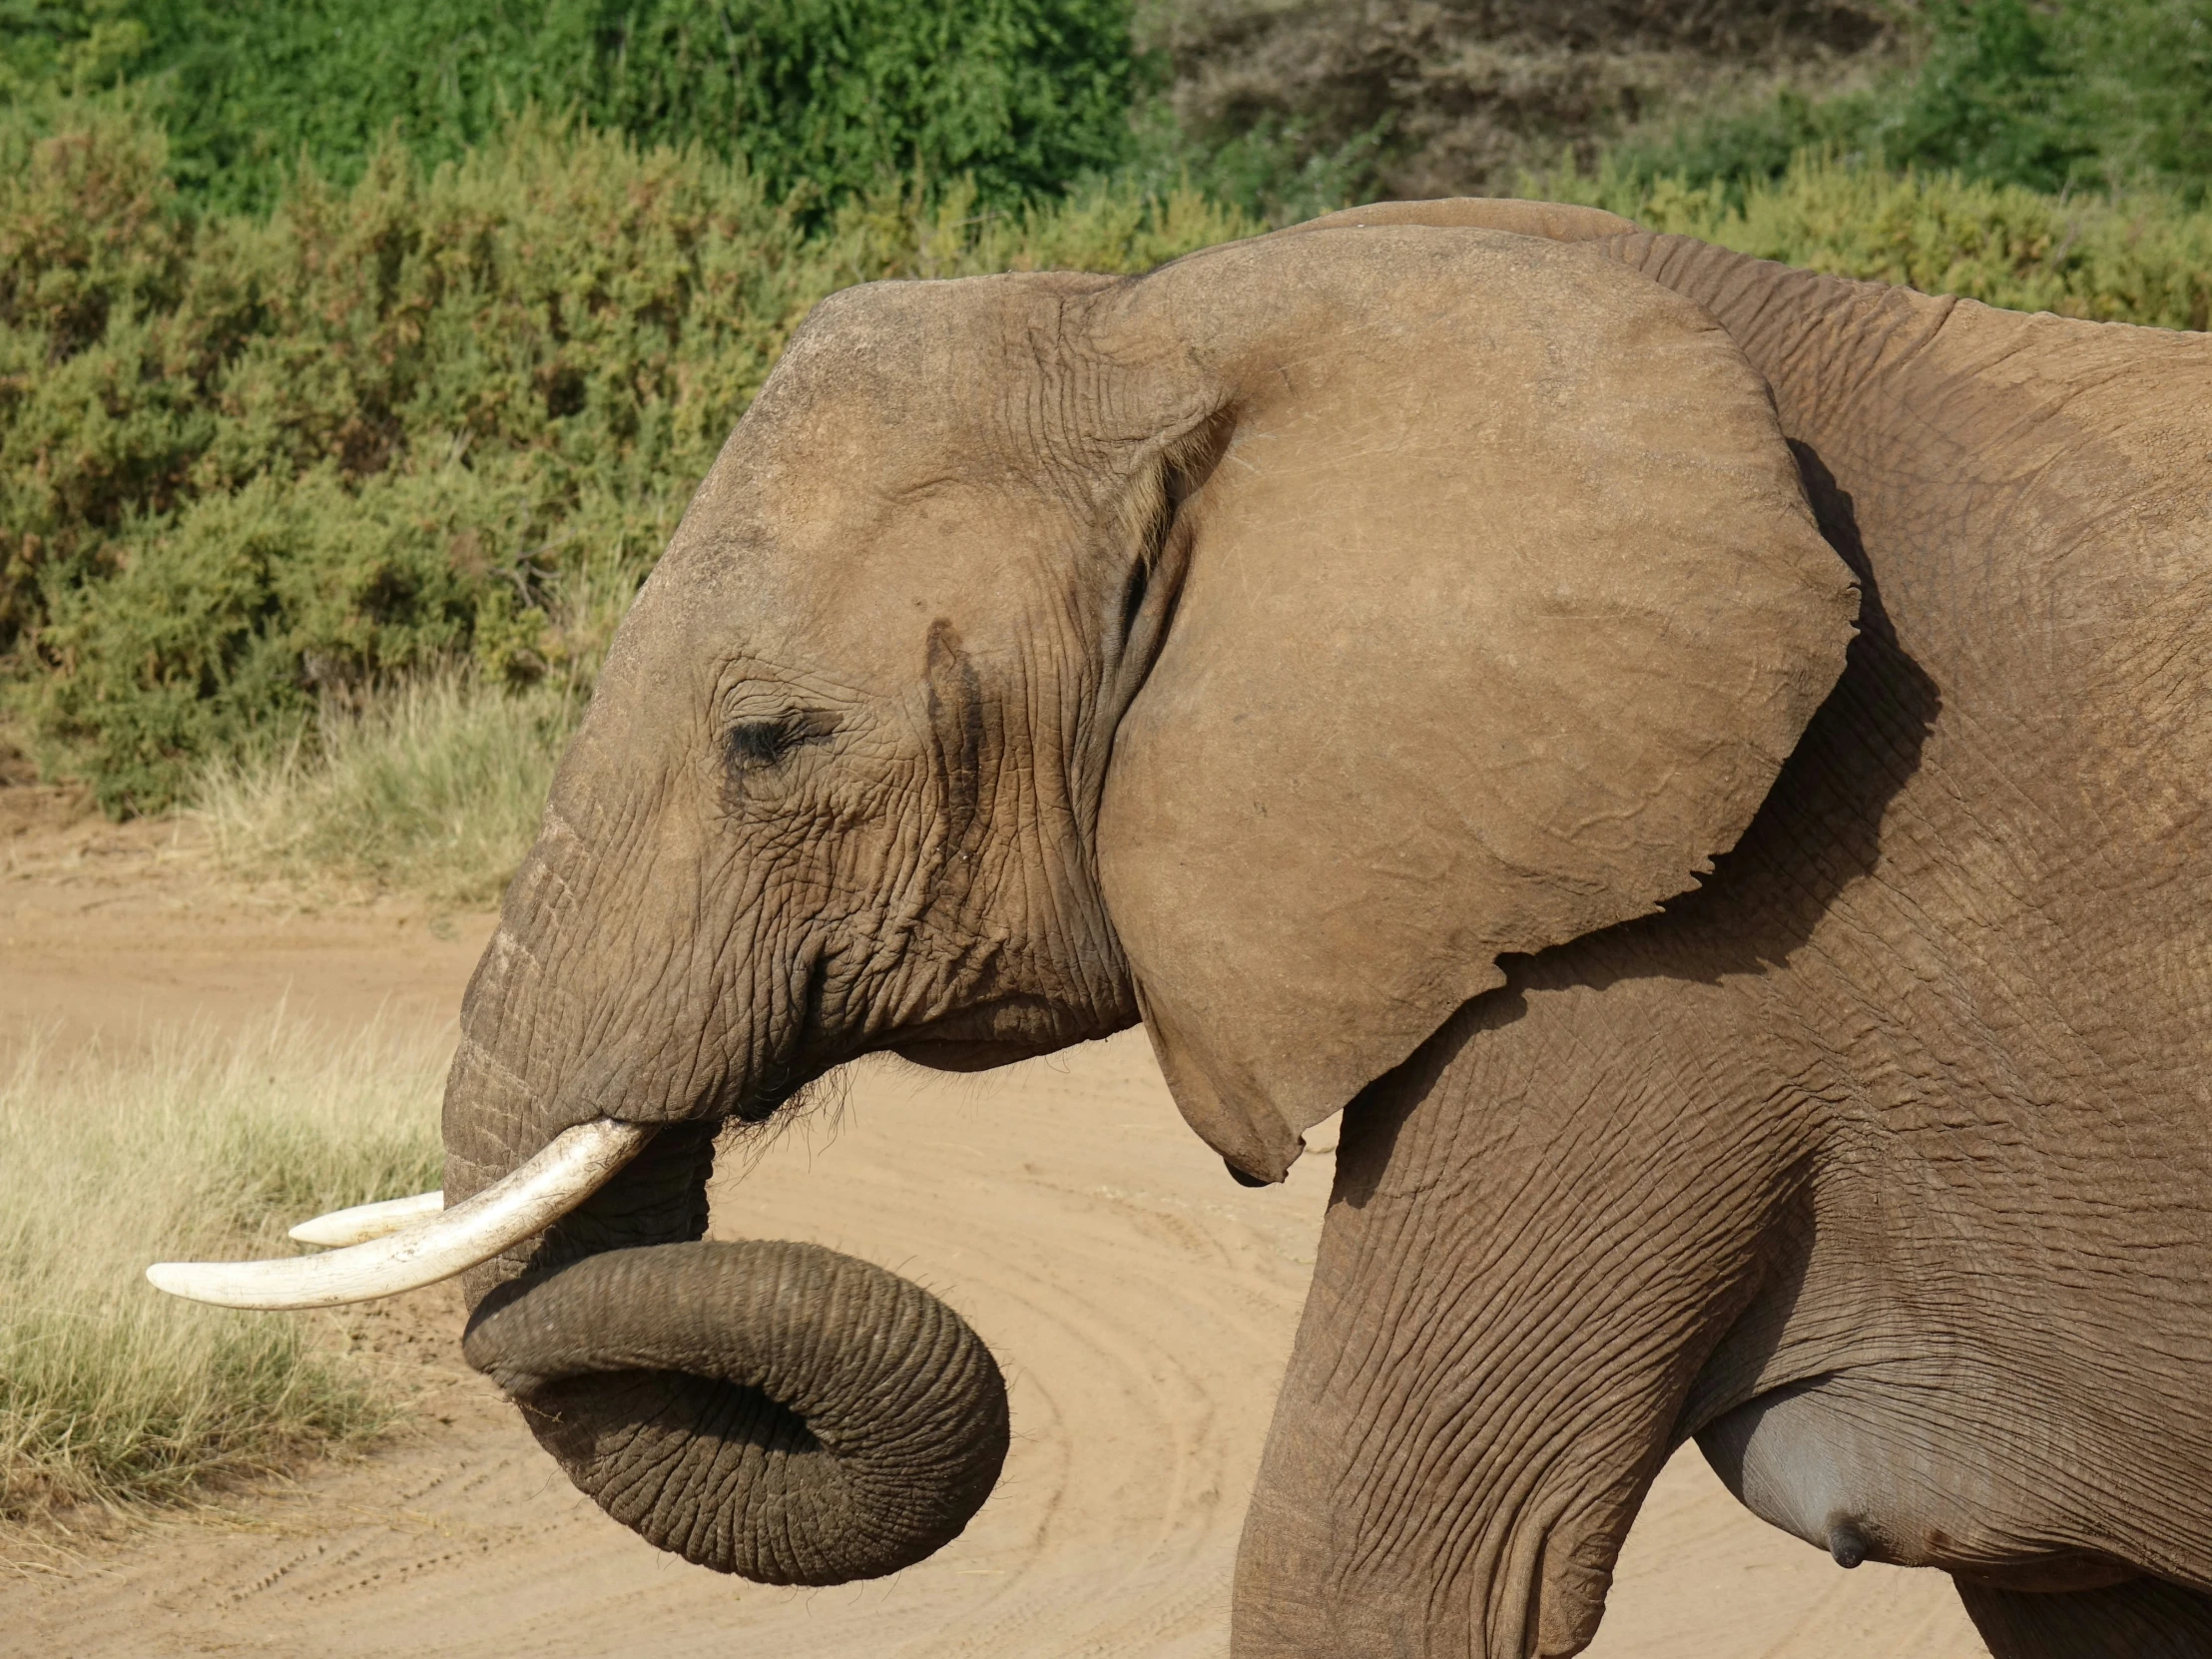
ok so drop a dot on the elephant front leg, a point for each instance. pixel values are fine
(1534, 1241)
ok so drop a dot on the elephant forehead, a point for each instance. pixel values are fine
(890, 365)
(853, 580)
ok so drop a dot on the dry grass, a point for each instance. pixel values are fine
(186, 1145)
(433, 787)
(1412, 99)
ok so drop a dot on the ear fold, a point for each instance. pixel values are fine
(1502, 608)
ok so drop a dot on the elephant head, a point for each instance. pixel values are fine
(1259, 648)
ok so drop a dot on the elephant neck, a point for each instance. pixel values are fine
(1831, 350)
(1931, 430)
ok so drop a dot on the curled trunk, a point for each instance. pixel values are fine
(773, 1409)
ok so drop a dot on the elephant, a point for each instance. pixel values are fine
(1706, 765)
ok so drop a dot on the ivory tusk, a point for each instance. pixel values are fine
(368, 1221)
(571, 1167)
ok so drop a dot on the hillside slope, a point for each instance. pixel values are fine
(1464, 95)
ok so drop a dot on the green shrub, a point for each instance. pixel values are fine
(1021, 96)
(831, 95)
(186, 1146)
(2058, 95)
(2144, 258)
(250, 466)
(1995, 99)
(60, 46)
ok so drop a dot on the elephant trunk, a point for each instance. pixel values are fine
(771, 1410)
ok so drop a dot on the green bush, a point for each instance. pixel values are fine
(2058, 95)
(831, 95)
(250, 466)
(1021, 96)
(59, 46)
(1273, 172)
(2144, 258)
(1995, 99)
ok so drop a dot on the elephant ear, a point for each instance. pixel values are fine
(1501, 607)
(1554, 220)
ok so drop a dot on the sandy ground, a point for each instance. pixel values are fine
(1141, 1302)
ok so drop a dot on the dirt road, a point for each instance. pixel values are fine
(1141, 1302)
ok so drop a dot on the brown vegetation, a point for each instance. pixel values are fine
(1463, 95)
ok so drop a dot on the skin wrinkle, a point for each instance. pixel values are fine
(1525, 1472)
(1460, 1274)
(2008, 1033)
(881, 1501)
(1426, 1377)
(1535, 1357)
(861, 884)
(1496, 1516)
(1509, 1252)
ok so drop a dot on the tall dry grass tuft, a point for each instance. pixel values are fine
(431, 783)
(187, 1145)
(433, 787)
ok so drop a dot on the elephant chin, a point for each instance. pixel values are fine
(776, 1411)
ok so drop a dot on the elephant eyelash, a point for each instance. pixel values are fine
(756, 745)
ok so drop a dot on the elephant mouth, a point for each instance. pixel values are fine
(952, 1054)
(771, 1410)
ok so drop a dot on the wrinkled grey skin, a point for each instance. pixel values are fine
(1882, 1163)
(632, 1363)
(2016, 764)
(1879, 1163)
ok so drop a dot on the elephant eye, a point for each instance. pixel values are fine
(757, 745)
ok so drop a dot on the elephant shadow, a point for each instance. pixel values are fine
(1820, 827)
(1818, 831)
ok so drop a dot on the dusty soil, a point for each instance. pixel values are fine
(1141, 1302)
(106, 927)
